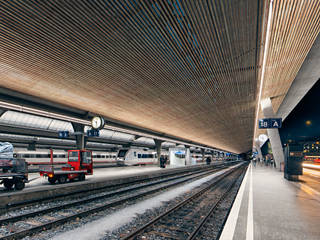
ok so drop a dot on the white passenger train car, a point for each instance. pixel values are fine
(43, 156)
(137, 156)
(132, 156)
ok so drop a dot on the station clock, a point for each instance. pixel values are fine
(97, 122)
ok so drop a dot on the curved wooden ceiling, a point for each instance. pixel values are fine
(187, 68)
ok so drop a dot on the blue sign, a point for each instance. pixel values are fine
(93, 133)
(63, 134)
(270, 123)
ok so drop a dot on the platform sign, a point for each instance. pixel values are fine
(63, 134)
(276, 122)
(93, 133)
(270, 123)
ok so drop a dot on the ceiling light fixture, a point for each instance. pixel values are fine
(263, 65)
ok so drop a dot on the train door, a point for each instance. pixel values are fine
(86, 160)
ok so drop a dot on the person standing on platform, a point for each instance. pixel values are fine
(254, 162)
(162, 162)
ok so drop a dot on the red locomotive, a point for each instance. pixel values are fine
(79, 165)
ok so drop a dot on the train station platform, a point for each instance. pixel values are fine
(270, 207)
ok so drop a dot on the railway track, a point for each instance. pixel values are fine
(187, 219)
(80, 193)
(26, 224)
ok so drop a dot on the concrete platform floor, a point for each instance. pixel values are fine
(270, 207)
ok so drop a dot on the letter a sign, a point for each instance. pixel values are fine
(270, 123)
(276, 123)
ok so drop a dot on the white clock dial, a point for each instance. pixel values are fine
(96, 122)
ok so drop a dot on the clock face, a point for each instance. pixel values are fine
(96, 122)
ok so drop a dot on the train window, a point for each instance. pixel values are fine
(139, 155)
(135, 154)
(55, 155)
(73, 156)
(122, 153)
(26, 155)
(38, 155)
(86, 157)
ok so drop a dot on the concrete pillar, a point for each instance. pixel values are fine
(188, 155)
(158, 148)
(81, 140)
(32, 146)
(273, 133)
(202, 152)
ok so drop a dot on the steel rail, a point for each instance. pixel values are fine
(84, 213)
(109, 194)
(38, 200)
(195, 233)
(179, 205)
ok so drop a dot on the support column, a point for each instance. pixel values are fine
(32, 146)
(81, 140)
(158, 148)
(202, 153)
(273, 133)
(188, 156)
